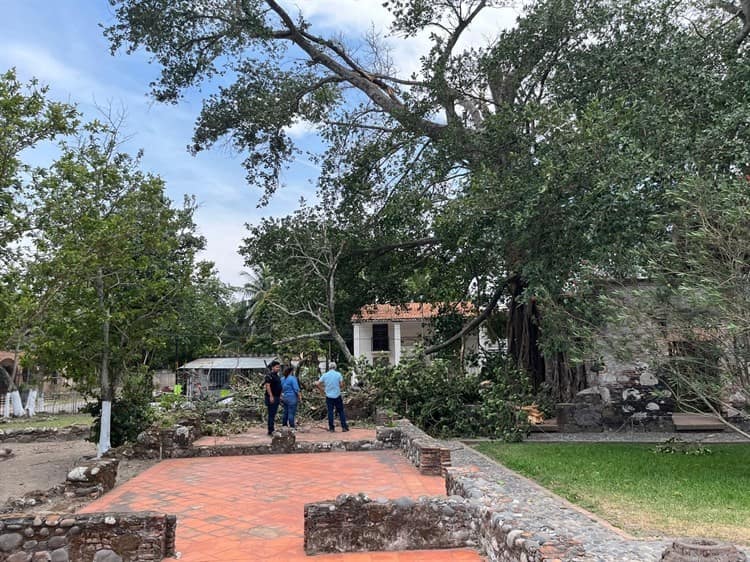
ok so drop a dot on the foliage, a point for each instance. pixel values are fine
(117, 255)
(442, 399)
(503, 391)
(691, 321)
(169, 401)
(199, 320)
(532, 163)
(675, 445)
(27, 117)
(131, 410)
(640, 492)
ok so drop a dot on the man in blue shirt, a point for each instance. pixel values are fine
(330, 383)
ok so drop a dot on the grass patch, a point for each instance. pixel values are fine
(42, 420)
(641, 491)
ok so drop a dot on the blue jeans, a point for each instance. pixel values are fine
(337, 403)
(290, 410)
(272, 410)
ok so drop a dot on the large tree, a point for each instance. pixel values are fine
(534, 159)
(27, 118)
(119, 255)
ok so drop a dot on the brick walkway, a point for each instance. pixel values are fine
(251, 508)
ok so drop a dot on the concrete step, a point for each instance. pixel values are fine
(697, 422)
(547, 426)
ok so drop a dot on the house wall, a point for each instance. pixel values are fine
(408, 333)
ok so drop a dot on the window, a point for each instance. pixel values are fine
(218, 378)
(380, 337)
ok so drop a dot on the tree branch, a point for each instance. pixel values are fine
(473, 324)
(380, 250)
(312, 336)
(361, 80)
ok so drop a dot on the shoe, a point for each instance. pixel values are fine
(331, 430)
(270, 433)
(345, 429)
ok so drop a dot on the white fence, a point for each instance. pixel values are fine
(49, 403)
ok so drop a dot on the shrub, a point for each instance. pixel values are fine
(445, 401)
(131, 411)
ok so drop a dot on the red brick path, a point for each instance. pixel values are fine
(251, 508)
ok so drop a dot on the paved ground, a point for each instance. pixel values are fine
(251, 508)
(315, 433)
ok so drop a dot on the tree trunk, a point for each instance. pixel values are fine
(10, 386)
(563, 380)
(523, 333)
(104, 378)
(342, 346)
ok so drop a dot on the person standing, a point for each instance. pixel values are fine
(331, 383)
(272, 384)
(291, 395)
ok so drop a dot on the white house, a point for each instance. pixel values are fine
(384, 332)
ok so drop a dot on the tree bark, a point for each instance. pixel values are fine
(555, 371)
(9, 384)
(523, 333)
(564, 380)
(104, 379)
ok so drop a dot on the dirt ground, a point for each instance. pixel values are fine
(42, 465)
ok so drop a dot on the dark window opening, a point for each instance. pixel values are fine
(218, 378)
(380, 337)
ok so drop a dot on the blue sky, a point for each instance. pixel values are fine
(60, 42)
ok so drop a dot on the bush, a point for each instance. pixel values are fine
(131, 411)
(444, 401)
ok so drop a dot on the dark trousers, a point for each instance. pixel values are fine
(338, 404)
(272, 410)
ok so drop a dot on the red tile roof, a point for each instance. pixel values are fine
(407, 311)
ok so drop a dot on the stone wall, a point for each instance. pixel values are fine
(29, 434)
(500, 537)
(355, 523)
(424, 452)
(631, 397)
(94, 537)
(88, 480)
(164, 443)
(92, 477)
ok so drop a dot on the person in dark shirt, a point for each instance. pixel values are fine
(272, 384)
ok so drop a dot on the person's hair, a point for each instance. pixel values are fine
(288, 371)
(332, 365)
(273, 363)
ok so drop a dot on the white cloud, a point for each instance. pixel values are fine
(344, 14)
(224, 231)
(301, 128)
(33, 61)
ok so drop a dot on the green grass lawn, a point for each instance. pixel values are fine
(44, 420)
(641, 491)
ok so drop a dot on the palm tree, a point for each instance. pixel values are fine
(250, 320)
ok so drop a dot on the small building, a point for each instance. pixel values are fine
(215, 373)
(384, 332)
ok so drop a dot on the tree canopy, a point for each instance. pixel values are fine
(537, 161)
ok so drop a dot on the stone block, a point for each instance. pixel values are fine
(700, 550)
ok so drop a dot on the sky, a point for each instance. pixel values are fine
(60, 42)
